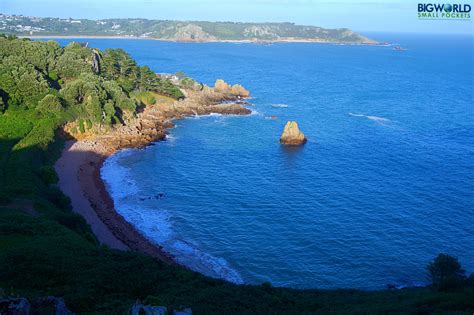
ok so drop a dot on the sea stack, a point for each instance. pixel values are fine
(292, 135)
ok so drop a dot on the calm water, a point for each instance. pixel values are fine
(384, 184)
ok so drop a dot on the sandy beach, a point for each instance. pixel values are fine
(79, 178)
(77, 159)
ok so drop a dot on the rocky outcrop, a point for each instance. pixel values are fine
(260, 31)
(292, 135)
(54, 304)
(184, 311)
(221, 86)
(236, 90)
(95, 61)
(15, 306)
(229, 109)
(239, 90)
(139, 309)
(191, 33)
(21, 306)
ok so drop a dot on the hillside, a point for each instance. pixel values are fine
(46, 249)
(177, 30)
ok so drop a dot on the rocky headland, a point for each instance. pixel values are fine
(151, 124)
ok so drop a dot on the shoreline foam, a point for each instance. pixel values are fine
(79, 178)
(137, 206)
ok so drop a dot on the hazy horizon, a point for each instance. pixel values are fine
(395, 16)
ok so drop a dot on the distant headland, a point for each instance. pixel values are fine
(182, 31)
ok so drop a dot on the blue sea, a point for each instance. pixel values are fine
(383, 185)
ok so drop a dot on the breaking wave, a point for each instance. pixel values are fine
(205, 263)
(374, 118)
(138, 208)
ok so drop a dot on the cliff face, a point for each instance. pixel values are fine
(191, 33)
(292, 135)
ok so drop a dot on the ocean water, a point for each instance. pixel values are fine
(383, 185)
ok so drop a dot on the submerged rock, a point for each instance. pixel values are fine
(52, 304)
(15, 306)
(292, 135)
(46, 305)
(138, 309)
(185, 311)
(229, 109)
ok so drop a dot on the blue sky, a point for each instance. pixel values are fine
(363, 15)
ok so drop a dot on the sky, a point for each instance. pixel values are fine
(362, 15)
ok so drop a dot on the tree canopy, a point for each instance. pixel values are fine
(446, 272)
(43, 76)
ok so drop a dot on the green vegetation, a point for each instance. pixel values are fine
(73, 81)
(177, 30)
(46, 249)
(147, 98)
(188, 82)
(446, 273)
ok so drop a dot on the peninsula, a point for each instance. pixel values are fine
(183, 31)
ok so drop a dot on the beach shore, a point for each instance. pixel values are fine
(79, 166)
(79, 177)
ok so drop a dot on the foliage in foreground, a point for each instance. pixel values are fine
(46, 249)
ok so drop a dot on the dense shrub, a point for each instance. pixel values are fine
(82, 129)
(50, 105)
(48, 174)
(145, 97)
(24, 84)
(187, 82)
(446, 272)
